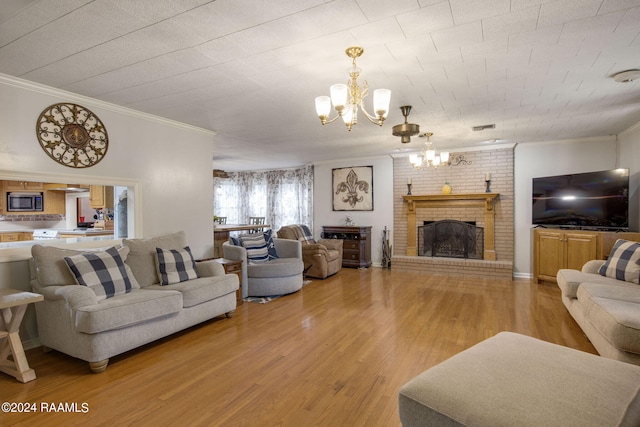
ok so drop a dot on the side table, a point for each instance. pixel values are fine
(232, 266)
(13, 305)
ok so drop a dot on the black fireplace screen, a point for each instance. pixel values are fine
(451, 238)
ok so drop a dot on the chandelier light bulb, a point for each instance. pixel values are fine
(381, 100)
(339, 93)
(323, 107)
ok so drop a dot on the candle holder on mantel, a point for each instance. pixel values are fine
(488, 184)
(408, 189)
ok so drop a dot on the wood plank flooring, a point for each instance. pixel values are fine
(333, 354)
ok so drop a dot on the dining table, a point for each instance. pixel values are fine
(221, 233)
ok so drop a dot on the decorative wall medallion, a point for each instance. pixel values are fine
(72, 135)
(353, 189)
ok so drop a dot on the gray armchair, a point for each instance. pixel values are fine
(279, 276)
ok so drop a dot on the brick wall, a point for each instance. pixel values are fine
(464, 178)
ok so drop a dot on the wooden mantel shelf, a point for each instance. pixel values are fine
(484, 200)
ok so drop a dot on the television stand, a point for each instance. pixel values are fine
(555, 248)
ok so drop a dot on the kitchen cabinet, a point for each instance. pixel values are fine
(17, 236)
(54, 202)
(9, 237)
(356, 249)
(101, 197)
(23, 186)
(554, 249)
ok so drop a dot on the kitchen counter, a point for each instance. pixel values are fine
(84, 233)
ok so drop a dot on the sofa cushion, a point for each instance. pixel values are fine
(105, 273)
(256, 246)
(201, 290)
(614, 311)
(125, 310)
(142, 255)
(622, 263)
(271, 246)
(569, 281)
(51, 268)
(281, 267)
(175, 265)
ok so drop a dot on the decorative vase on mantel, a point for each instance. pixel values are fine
(446, 188)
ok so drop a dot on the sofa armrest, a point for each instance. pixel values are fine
(75, 295)
(237, 253)
(209, 268)
(593, 266)
(314, 249)
(287, 248)
(334, 244)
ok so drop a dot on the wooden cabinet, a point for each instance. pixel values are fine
(23, 186)
(557, 249)
(17, 236)
(356, 249)
(100, 197)
(54, 202)
(9, 237)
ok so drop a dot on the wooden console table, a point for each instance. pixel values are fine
(481, 200)
(232, 266)
(13, 305)
(356, 249)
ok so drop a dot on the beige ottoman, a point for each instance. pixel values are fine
(514, 380)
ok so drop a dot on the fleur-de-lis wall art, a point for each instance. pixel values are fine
(353, 189)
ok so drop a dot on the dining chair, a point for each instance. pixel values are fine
(222, 220)
(256, 220)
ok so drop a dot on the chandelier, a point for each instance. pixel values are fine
(346, 99)
(428, 156)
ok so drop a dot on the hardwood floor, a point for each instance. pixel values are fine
(333, 354)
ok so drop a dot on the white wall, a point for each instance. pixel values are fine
(629, 149)
(170, 165)
(546, 159)
(382, 214)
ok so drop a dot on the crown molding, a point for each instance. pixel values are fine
(490, 147)
(85, 100)
(631, 129)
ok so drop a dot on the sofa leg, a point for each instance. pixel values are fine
(98, 367)
(229, 314)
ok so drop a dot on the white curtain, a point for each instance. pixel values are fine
(283, 197)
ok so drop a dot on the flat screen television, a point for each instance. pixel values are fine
(592, 200)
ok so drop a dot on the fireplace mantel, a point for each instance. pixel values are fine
(482, 200)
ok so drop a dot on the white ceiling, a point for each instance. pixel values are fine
(250, 70)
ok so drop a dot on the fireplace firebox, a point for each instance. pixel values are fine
(451, 238)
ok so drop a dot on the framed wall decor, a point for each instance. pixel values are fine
(353, 188)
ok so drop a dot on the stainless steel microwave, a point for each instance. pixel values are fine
(25, 202)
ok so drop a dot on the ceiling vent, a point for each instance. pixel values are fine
(483, 127)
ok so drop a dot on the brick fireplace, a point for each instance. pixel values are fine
(468, 203)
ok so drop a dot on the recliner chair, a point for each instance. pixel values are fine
(322, 258)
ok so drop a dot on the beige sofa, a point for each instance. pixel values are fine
(73, 319)
(515, 380)
(607, 310)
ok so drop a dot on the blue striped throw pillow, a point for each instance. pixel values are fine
(622, 263)
(256, 246)
(175, 265)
